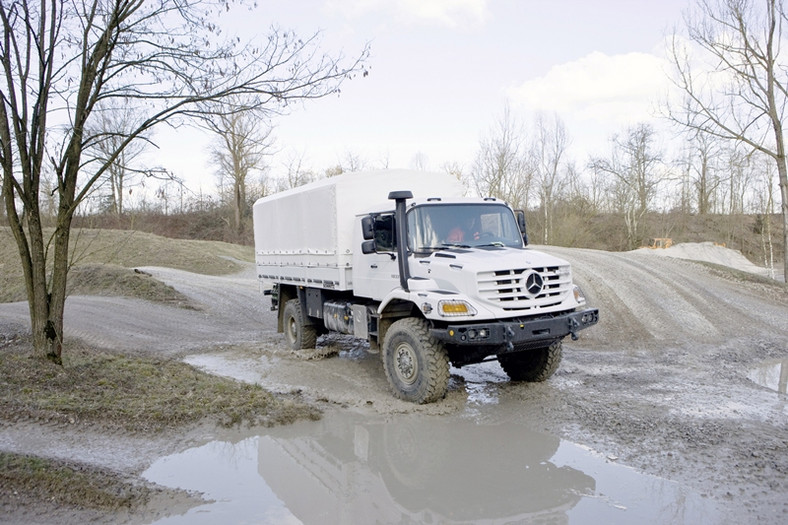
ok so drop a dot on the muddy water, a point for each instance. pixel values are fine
(350, 468)
(357, 466)
(771, 374)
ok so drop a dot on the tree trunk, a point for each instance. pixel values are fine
(783, 174)
(782, 170)
(45, 308)
(239, 203)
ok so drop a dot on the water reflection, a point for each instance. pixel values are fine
(411, 472)
(771, 374)
(351, 468)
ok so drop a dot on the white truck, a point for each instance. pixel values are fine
(428, 276)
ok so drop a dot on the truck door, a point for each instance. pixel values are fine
(378, 273)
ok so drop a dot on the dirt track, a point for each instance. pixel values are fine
(661, 383)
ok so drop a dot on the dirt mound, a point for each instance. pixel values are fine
(712, 253)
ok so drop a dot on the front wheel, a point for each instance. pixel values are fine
(532, 365)
(298, 334)
(416, 364)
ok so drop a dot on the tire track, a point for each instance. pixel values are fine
(646, 300)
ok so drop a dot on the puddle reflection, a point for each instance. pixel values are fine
(350, 468)
(771, 374)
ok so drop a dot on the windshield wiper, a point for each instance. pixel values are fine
(454, 245)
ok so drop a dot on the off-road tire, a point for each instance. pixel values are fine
(298, 335)
(416, 364)
(532, 365)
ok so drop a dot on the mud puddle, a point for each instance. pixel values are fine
(356, 468)
(771, 374)
(474, 457)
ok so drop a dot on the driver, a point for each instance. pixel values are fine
(459, 234)
(456, 234)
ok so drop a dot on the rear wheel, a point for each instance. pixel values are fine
(532, 365)
(298, 334)
(416, 364)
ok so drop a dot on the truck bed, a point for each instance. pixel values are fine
(304, 236)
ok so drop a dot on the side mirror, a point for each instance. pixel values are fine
(368, 247)
(368, 227)
(520, 214)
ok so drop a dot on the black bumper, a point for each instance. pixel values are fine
(514, 334)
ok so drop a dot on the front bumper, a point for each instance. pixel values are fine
(517, 334)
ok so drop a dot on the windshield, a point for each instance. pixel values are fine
(435, 226)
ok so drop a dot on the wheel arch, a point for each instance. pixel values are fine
(286, 292)
(393, 310)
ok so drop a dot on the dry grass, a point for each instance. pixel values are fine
(103, 262)
(111, 280)
(135, 394)
(27, 479)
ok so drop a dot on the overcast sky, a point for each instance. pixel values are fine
(442, 71)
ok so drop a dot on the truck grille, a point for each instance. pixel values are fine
(525, 289)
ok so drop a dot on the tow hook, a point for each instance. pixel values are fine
(573, 326)
(509, 337)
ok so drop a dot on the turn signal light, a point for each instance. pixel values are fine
(579, 296)
(454, 307)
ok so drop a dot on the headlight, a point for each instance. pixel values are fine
(579, 297)
(455, 308)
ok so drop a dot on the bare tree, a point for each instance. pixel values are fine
(705, 178)
(501, 168)
(419, 161)
(352, 161)
(243, 139)
(456, 169)
(166, 59)
(738, 168)
(110, 129)
(548, 152)
(296, 173)
(744, 97)
(633, 167)
(765, 209)
(259, 187)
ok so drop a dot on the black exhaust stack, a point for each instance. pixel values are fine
(399, 197)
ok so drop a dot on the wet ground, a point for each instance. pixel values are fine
(772, 374)
(671, 410)
(353, 467)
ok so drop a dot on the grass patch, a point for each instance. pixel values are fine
(777, 290)
(137, 394)
(112, 280)
(132, 249)
(115, 249)
(31, 478)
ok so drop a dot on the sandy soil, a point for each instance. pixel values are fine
(662, 383)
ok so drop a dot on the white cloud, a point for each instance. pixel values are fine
(450, 13)
(445, 12)
(619, 89)
(599, 95)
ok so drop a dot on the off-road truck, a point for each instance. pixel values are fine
(427, 276)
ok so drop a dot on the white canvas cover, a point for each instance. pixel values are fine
(305, 235)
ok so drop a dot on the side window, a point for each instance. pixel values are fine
(385, 238)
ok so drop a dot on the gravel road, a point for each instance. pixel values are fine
(663, 383)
